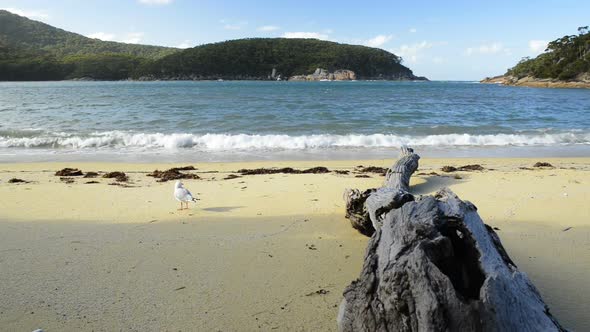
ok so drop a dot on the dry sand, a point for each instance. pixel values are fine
(259, 252)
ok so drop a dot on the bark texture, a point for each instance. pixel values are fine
(433, 265)
(365, 209)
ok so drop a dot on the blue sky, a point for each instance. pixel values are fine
(442, 40)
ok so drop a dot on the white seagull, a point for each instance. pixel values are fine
(183, 195)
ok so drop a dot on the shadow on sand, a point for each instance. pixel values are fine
(433, 183)
(222, 208)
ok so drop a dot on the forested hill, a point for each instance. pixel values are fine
(35, 51)
(564, 64)
(257, 57)
(565, 58)
(22, 33)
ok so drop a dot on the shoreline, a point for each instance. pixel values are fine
(187, 155)
(376, 79)
(535, 82)
(257, 251)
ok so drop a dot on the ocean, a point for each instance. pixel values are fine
(248, 120)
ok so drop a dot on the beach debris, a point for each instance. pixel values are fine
(284, 170)
(179, 288)
(457, 177)
(118, 176)
(67, 180)
(474, 167)
(320, 291)
(311, 246)
(343, 172)
(16, 180)
(185, 168)
(174, 174)
(542, 164)
(371, 169)
(362, 176)
(448, 169)
(69, 172)
(496, 228)
(231, 177)
(566, 229)
(431, 173)
(91, 182)
(90, 175)
(122, 185)
(434, 264)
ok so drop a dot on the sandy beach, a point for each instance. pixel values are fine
(257, 252)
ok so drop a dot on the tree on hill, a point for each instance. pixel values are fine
(256, 57)
(565, 58)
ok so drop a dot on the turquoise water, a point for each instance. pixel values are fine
(286, 120)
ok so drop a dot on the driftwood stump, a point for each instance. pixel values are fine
(433, 265)
(366, 209)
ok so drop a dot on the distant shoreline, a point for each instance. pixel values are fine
(535, 82)
(218, 80)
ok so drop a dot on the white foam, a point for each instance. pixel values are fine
(228, 142)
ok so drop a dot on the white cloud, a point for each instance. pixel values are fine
(537, 46)
(185, 44)
(232, 25)
(155, 2)
(102, 36)
(412, 53)
(378, 41)
(129, 38)
(133, 38)
(492, 48)
(316, 35)
(413, 30)
(38, 14)
(268, 28)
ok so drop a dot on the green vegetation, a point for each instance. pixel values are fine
(256, 58)
(35, 51)
(31, 50)
(24, 33)
(565, 58)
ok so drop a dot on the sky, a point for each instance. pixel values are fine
(442, 40)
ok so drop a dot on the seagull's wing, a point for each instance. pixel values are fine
(183, 195)
(190, 196)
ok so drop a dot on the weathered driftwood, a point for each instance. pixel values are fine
(433, 265)
(365, 209)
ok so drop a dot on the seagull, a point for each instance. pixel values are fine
(183, 195)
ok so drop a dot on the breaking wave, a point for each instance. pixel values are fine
(228, 142)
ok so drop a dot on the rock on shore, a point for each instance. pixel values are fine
(322, 74)
(581, 81)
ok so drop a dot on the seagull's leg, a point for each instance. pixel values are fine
(180, 205)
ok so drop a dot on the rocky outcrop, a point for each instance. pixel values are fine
(581, 81)
(323, 75)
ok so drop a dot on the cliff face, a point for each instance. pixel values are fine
(580, 81)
